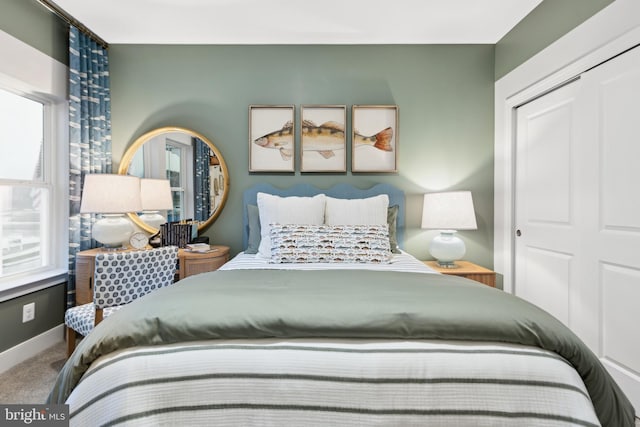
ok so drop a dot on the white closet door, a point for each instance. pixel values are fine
(578, 209)
(548, 233)
(613, 249)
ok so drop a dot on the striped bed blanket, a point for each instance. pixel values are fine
(335, 347)
(332, 383)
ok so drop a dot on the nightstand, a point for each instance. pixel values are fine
(190, 263)
(469, 270)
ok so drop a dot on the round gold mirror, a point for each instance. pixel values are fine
(197, 175)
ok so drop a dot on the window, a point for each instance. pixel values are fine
(24, 190)
(33, 169)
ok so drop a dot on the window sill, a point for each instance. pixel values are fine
(28, 283)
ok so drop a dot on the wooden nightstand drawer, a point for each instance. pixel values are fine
(469, 270)
(195, 263)
(85, 265)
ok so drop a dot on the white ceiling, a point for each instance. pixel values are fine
(299, 21)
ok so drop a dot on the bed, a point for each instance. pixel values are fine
(355, 333)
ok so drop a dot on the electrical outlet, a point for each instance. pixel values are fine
(28, 312)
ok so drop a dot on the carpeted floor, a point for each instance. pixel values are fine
(31, 380)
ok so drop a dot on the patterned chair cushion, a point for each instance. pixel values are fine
(301, 243)
(82, 317)
(122, 277)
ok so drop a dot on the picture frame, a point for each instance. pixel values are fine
(323, 138)
(374, 138)
(271, 138)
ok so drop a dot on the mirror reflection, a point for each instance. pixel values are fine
(197, 175)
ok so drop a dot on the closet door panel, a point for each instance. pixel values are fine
(547, 233)
(548, 273)
(620, 319)
(614, 243)
(549, 140)
(620, 151)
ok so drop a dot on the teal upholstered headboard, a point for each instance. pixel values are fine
(339, 191)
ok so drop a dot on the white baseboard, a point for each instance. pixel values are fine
(25, 350)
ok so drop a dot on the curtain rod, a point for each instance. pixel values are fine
(72, 21)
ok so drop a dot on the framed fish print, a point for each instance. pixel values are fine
(374, 138)
(271, 138)
(323, 142)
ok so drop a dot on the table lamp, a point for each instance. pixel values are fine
(112, 196)
(156, 196)
(448, 212)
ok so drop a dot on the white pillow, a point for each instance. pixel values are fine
(286, 210)
(370, 211)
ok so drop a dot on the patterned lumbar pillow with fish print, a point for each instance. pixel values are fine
(303, 243)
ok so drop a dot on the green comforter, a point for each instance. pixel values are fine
(340, 304)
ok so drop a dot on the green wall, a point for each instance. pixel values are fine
(33, 24)
(545, 24)
(444, 94)
(49, 309)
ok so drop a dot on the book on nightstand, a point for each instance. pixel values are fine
(199, 248)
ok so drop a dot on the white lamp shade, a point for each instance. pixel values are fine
(110, 194)
(451, 210)
(155, 194)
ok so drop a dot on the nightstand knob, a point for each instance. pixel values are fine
(518, 233)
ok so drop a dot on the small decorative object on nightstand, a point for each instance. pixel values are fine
(155, 241)
(469, 270)
(138, 240)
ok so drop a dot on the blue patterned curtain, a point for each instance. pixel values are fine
(89, 136)
(201, 181)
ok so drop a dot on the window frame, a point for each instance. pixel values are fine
(36, 76)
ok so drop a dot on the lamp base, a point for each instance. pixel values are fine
(447, 248)
(113, 231)
(153, 219)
